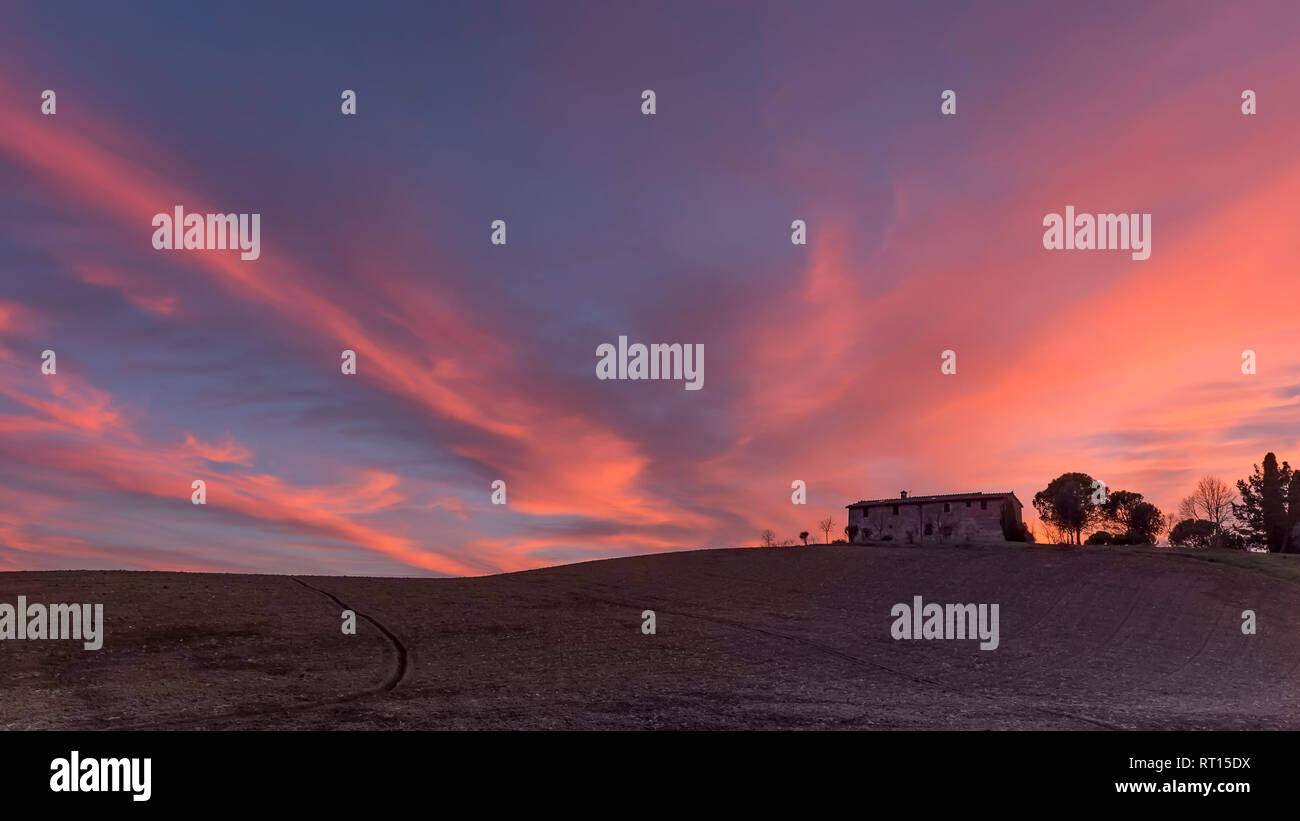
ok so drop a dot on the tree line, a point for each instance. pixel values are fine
(1261, 513)
(1074, 502)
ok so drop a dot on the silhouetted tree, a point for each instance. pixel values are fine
(851, 531)
(1211, 501)
(1118, 509)
(1291, 543)
(1192, 533)
(1066, 504)
(1052, 534)
(803, 534)
(1262, 513)
(1145, 521)
(826, 526)
(1012, 530)
(769, 538)
(1273, 495)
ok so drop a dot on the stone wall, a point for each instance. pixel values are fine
(929, 523)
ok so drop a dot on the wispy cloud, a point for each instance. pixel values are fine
(476, 363)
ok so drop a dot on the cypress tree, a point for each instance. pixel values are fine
(1262, 514)
(1291, 543)
(1272, 498)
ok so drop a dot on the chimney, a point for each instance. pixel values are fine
(902, 494)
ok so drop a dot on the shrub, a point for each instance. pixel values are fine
(1231, 540)
(1100, 537)
(1012, 530)
(1192, 533)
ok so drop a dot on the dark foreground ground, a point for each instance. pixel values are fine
(747, 638)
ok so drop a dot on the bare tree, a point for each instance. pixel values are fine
(769, 538)
(945, 524)
(826, 526)
(1053, 534)
(1211, 500)
(874, 525)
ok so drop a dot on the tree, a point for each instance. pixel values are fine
(1052, 534)
(1012, 530)
(803, 534)
(1145, 523)
(769, 538)
(944, 524)
(851, 531)
(1118, 509)
(1262, 513)
(1249, 514)
(1211, 501)
(826, 526)
(1192, 533)
(1066, 504)
(1291, 544)
(1273, 495)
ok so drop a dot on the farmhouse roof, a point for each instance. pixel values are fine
(941, 497)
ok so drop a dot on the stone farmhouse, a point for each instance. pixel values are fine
(947, 518)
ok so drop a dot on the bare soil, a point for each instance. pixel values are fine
(746, 638)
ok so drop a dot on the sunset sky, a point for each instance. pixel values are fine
(477, 362)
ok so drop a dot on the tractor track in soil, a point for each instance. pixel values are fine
(390, 682)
